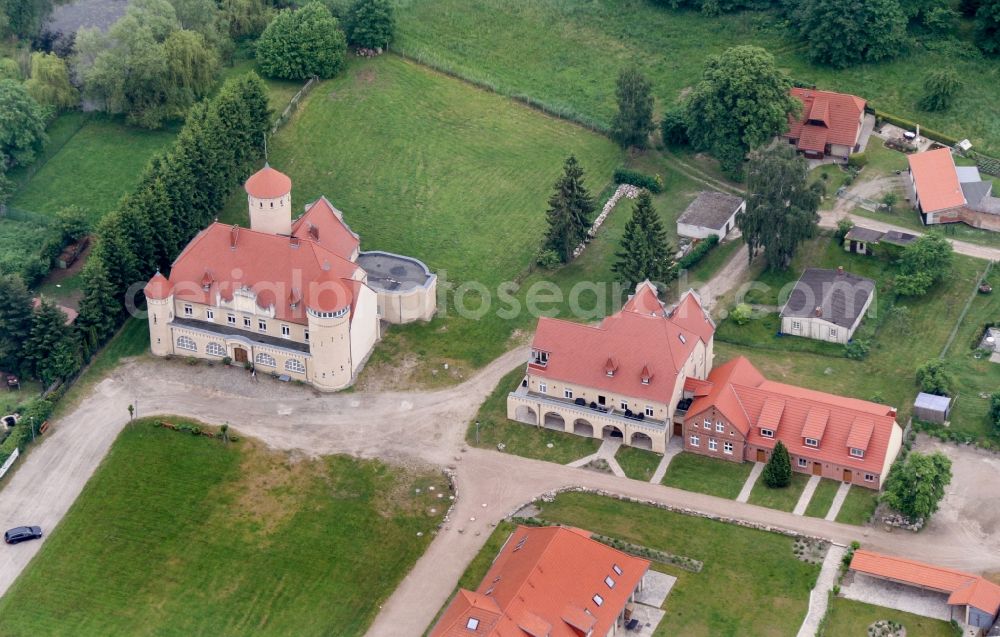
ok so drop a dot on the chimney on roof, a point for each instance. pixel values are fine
(819, 310)
(233, 236)
(892, 412)
(293, 242)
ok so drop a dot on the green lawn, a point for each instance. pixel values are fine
(783, 499)
(858, 506)
(773, 586)
(183, 535)
(848, 618)
(521, 439)
(567, 54)
(701, 474)
(638, 464)
(822, 498)
(898, 348)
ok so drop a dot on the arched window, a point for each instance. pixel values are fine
(264, 359)
(214, 349)
(185, 342)
(295, 365)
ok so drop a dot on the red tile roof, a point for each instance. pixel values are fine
(290, 273)
(839, 112)
(749, 401)
(268, 183)
(936, 180)
(543, 583)
(641, 339)
(325, 224)
(963, 588)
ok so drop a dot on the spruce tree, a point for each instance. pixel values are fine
(645, 250)
(634, 121)
(100, 307)
(15, 321)
(778, 470)
(52, 351)
(570, 209)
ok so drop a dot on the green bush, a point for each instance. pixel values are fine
(673, 127)
(857, 160)
(302, 43)
(934, 378)
(697, 253)
(741, 314)
(635, 178)
(843, 227)
(857, 349)
(548, 259)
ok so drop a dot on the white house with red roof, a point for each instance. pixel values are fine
(945, 193)
(830, 124)
(297, 299)
(646, 374)
(738, 415)
(548, 581)
(622, 378)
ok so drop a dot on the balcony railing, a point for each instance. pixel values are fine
(605, 411)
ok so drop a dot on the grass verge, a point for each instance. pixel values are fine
(783, 499)
(822, 498)
(848, 618)
(701, 474)
(638, 464)
(858, 507)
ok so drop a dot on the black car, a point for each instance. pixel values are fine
(22, 533)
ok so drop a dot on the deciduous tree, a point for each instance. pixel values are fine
(370, 23)
(299, 44)
(645, 252)
(781, 205)
(923, 263)
(634, 121)
(49, 83)
(987, 32)
(22, 125)
(941, 85)
(995, 411)
(570, 210)
(741, 102)
(933, 377)
(843, 33)
(916, 485)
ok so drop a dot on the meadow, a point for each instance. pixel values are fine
(566, 55)
(182, 535)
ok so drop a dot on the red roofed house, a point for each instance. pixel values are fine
(646, 373)
(739, 415)
(296, 299)
(622, 378)
(547, 582)
(971, 599)
(945, 193)
(830, 124)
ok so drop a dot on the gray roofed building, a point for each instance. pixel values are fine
(858, 233)
(827, 305)
(710, 213)
(931, 408)
(967, 174)
(898, 238)
(976, 191)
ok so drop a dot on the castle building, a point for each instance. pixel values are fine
(294, 298)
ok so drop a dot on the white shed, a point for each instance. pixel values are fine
(710, 213)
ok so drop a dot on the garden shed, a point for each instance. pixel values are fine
(931, 408)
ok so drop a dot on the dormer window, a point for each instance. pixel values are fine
(857, 453)
(812, 442)
(767, 433)
(540, 358)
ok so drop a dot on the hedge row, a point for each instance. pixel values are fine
(910, 125)
(635, 178)
(697, 253)
(35, 414)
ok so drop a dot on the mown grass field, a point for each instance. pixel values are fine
(819, 504)
(184, 535)
(701, 474)
(897, 349)
(567, 55)
(858, 507)
(773, 586)
(783, 499)
(848, 618)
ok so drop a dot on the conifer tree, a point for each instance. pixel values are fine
(15, 320)
(100, 306)
(52, 351)
(778, 470)
(645, 250)
(570, 209)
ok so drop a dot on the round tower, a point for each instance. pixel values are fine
(269, 198)
(328, 313)
(159, 312)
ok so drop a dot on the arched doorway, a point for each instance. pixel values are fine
(610, 431)
(526, 414)
(641, 441)
(583, 428)
(240, 355)
(554, 421)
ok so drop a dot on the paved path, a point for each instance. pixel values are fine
(674, 446)
(758, 468)
(609, 447)
(819, 597)
(807, 494)
(838, 501)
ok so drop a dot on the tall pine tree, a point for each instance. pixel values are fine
(15, 321)
(645, 250)
(100, 307)
(781, 205)
(570, 209)
(634, 121)
(52, 351)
